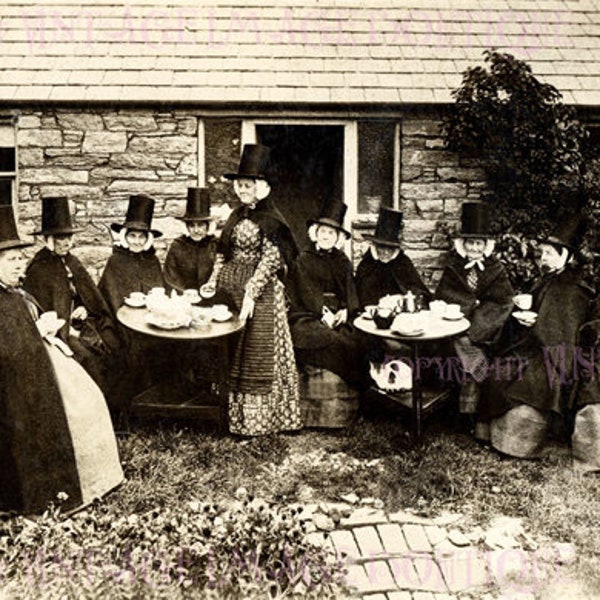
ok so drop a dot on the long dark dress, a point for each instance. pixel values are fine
(545, 353)
(55, 430)
(320, 278)
(189, 264)
(585, 400)
(147, 360)
(62, 284)
(375, 279)
(264, 393)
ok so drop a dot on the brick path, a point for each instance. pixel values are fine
(402, 556)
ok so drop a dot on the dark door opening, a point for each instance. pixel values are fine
(307, 163)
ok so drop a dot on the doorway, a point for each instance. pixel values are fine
(308, 171)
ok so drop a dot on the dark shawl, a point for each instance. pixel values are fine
(488, 306)
(587, 390)
(375, 279)
(36, 454)
(271, 223)
(189, 264)
(561, 301)
(46, 279)
(314, 274)
(127, 272)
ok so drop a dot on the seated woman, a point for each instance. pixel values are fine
(133, 265)
(385, 269)
(585, 400)
(59, 282)
(56, 437)
(515, 413)
(191, 257)
(478, 282)
(323, 302)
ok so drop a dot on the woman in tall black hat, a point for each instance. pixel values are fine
(323, 302)
(59, 282)
(191, 257)
(516, 413)
(255, 250)
(385, 269)
(479, 283)
(56, 439)
(133, 265)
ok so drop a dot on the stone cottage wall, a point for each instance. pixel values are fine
(98, 157)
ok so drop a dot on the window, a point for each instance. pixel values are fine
(8, 163)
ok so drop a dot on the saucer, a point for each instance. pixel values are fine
(525, 315)
(457, 318)
(408, 333)
(221, 318)
(135, 303)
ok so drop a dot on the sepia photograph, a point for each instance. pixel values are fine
(300, 299)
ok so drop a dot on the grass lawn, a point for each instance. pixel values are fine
(173, 469)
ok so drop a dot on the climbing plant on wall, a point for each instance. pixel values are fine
(530, 146)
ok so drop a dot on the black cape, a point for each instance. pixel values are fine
(189, 264)
(375, 279)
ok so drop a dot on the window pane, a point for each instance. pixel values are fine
(5, 191)
(7, 159)
(375, 165)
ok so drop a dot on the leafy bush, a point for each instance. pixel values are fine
(530, 146)
(249, 549)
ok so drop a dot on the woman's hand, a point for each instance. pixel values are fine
(247, 308)
(340, 317)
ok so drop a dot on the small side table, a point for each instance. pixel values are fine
(180, 397)
(420, 401)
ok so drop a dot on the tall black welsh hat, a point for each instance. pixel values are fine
(9, 237)
(198, 205)
(253, 164)
(387, 230)
(139, 215)
(56, 217)
(332, 214)
(475, 220)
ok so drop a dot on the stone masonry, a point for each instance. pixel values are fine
(97, 157)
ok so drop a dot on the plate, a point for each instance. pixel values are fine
(161, 323)
(135, 303)
(411, 333)
(525, 315)
(447, 318)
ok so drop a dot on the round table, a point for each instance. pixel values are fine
(434, 328)
(182, 397)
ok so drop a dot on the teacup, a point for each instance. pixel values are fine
(523, 301)
(157, 291)
(207, 290)
(220, 311)
(453, 311)
(137, 297)
(437, 308)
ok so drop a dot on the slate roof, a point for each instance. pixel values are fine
(302, 52)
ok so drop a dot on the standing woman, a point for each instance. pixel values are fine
(133, 265)
(256, 246)
(59, 282)
(191, 257)
(56, 438)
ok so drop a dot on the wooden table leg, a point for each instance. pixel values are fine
(417, 393)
